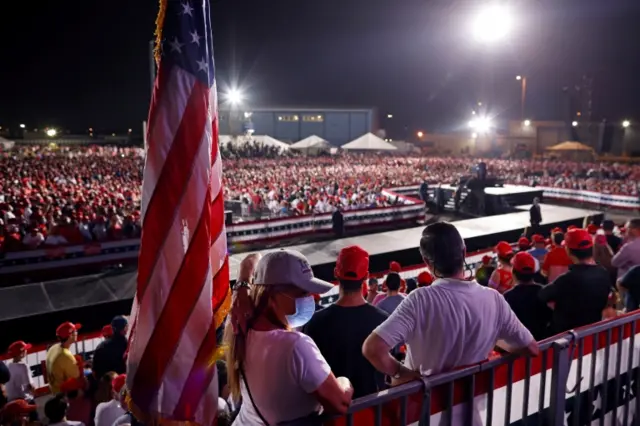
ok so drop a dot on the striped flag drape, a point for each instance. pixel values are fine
(183, 277)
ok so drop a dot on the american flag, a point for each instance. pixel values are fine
(183, 276)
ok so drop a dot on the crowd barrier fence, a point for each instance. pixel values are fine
(587, 376)
(126, 251)
(408, 209)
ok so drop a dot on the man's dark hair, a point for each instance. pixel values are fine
(523, 277)
(442, 246)
(351, 286)
(608, 225)
(393, 281)
(582, 254)
(633, 223)
(558, 238)
(56, 408)
(411, 284)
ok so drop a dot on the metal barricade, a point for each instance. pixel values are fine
(589, 376)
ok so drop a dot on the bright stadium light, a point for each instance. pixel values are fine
(574, 124)
(626, 123)
(493, 23)
(527, 123)
(22, 126)
(481, 125)
(518, 77)
(420, 134)
(51, 132)
(235, 96)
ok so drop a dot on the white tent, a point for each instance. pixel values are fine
(369, 142)
(6, 143)
(269, 141)
(312, 144)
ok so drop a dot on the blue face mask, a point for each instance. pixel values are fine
(305, 307)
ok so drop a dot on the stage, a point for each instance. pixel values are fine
(93, 300)
(478, 234)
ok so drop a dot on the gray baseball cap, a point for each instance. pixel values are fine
(283, 267)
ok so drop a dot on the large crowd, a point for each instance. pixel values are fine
(51, 196)
(287, 358)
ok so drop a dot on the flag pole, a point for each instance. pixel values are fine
(152, 63)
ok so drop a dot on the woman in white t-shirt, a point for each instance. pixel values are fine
(107, 398)
(279, 372)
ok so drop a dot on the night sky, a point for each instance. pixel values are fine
(79, 64)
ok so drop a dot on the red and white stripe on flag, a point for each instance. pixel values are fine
(183, 276)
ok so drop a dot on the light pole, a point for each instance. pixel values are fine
(523, 94)
(625, 137)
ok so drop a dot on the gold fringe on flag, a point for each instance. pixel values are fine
(159, 26)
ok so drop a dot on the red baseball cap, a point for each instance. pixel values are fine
(17, 347)
(524, 262)
(119, 382)
(577, 239)
(16, 408)
(503, 248)
(592, 228)
(571, 227)
(556, 230)
(352, 264)
(73, 384)
(107, 331)
(425, 278)
(523, 242)
(537, 238)
(66, 329)
(395, 267)
(486, 259)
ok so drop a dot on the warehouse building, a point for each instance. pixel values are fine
(338, 126)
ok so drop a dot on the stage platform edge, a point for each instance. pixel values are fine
(94, 300)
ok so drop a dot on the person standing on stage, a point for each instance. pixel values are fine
(535, 216)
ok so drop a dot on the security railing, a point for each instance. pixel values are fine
(588, 376)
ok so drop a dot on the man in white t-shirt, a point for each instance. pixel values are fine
(452, 323)
(21, 384)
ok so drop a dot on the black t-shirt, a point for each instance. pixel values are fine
(580, 295)
(532, 312)
(614, 242)
(109, 356)
(631, 281)
(339, 333)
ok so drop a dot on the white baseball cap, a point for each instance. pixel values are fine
(282, 267)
